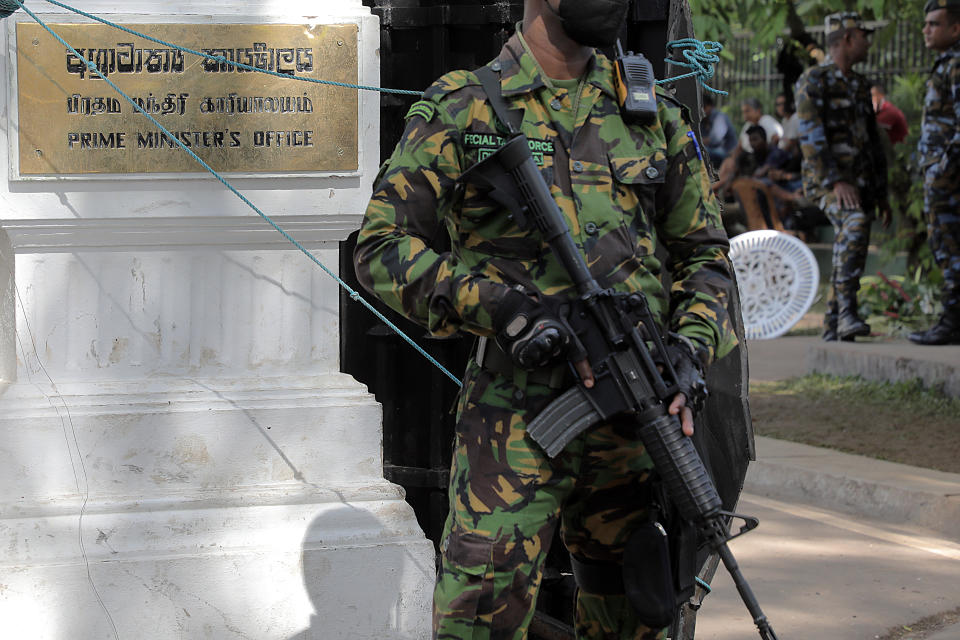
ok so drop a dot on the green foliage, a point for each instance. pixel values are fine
(906, 185)
(721, 20)
(907, 93)
(897, 304)
(766, 20)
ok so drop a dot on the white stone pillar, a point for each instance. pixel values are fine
(180, 456)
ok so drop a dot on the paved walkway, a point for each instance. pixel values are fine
(872, 490)
(820, 574)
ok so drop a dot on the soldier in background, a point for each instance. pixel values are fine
(844, 167)
(939, 149)
(439, 250)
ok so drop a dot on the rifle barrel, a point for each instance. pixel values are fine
(746, 593)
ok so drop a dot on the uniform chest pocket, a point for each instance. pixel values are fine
(640, 171)
(635, 182)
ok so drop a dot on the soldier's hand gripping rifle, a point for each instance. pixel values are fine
(627, 379)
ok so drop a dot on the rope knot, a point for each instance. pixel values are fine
(700, 56)
(8, 7)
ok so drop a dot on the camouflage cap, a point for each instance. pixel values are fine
(850, 20)
(933, 5)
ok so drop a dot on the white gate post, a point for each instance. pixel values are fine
(180, 456)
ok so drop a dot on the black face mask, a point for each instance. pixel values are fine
(593, 23)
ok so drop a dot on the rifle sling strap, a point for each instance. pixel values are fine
(490, 81)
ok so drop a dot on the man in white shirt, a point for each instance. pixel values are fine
(752, 112)
(791, 123)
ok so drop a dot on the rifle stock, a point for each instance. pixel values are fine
(628, 379)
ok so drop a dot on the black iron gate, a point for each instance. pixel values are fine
(420, 40)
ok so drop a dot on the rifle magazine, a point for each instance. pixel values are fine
(563, 420)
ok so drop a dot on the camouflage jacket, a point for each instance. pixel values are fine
(442, 253)
(838, 133)
(940, 132)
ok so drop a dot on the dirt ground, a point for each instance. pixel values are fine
(918, 431)
(924, 627)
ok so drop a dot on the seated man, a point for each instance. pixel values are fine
(744, 163)
(752, 111)
(763, 183)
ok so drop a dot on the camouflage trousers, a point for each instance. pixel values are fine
(851, 240)
(942, 207)
(506, 499)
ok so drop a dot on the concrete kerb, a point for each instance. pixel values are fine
(857, 485)
(935, 367)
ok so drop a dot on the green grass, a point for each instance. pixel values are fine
(901, 422)
(805, 331)
(904, 396)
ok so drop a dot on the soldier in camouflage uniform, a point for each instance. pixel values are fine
(844, 167)
(940, 159)
(442, 253)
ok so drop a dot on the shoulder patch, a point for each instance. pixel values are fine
(448, 83)
(424, 108)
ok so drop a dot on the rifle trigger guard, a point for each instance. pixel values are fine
(749, 524)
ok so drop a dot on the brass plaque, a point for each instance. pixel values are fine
(72, 122)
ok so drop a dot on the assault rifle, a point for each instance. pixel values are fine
(607, 331)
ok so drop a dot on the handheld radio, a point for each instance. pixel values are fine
(635, 86)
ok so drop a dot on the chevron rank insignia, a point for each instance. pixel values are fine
(425, 109)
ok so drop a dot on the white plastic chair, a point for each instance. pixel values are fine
(777, 275)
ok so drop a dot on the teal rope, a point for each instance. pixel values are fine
(222, 59)
(701, 56)
(354, 295)
(7, 7)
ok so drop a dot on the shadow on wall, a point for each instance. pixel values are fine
(359, 593)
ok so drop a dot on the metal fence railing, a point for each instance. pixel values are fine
(753, 68)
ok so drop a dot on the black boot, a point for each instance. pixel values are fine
(946, 331)
(849, 324)
(830, 322)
